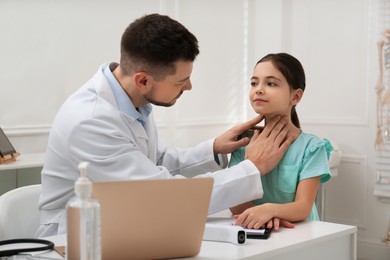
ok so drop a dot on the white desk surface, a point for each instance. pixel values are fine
(28, 160)
(300, 242)
(304, 235)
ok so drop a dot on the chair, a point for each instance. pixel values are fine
(19, 214)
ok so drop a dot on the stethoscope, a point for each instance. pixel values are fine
(46, 245)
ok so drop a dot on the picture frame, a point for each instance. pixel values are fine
(7, 150)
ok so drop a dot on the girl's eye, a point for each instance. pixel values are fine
(253, 84)
(271, 84)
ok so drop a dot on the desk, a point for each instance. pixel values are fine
(308, 240)
(25, 170)
(23, 161)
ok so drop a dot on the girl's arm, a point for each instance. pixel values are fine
(298, 210)
(274, 223)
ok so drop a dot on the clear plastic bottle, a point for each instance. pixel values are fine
(83, 221)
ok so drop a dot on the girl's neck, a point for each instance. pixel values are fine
(290, 125)
(269, 117)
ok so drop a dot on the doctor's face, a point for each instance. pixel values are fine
(165, 92)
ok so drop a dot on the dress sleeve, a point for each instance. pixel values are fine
(316, 160)
(237, 156)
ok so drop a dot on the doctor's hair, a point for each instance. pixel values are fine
(294, 73)
(153, 43)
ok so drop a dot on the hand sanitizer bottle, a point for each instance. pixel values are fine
(83, 221)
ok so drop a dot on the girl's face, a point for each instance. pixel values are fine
(270, 93)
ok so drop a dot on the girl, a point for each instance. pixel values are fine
(277, 86)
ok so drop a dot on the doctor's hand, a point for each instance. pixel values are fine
(267, 148)
(227, 142)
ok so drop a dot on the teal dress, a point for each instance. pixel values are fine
(306, 157)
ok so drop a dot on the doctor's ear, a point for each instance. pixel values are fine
(141, 80)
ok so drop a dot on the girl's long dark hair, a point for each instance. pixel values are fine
(294, 73)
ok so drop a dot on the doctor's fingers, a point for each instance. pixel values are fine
(274, 126)
(228, 143)
(241, 128)
(279, 139)
(286, 142)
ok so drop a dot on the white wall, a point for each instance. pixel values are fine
(49, 48)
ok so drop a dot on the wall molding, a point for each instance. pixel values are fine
(21, 130)
(219, 121)
(27, 130)
(382, 195)
(361, 163)
(309, 121)
(354, 158)
(367, 250)
(43, 129)
(335, 122)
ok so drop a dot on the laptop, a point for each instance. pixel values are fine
(153, 219)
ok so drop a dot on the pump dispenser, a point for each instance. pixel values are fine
(83, 186)
(83, 221)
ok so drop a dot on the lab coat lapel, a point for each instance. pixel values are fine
(139, 133)
(151, 131)
(141, 138)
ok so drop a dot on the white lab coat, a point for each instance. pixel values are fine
(89, 127)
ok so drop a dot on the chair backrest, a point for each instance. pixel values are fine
(19, 214)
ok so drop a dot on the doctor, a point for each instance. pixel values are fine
(109, 123)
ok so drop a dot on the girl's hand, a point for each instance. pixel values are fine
(255, 217)
(275, 223)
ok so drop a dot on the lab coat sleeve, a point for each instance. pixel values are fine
(235, 185)
(232, 186)
(189, 162)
